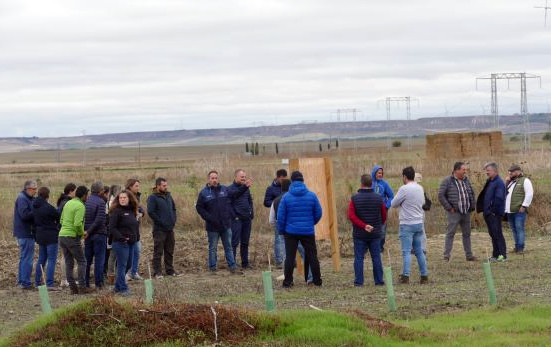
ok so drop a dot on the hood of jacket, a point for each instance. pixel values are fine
(298, 188)
(374, 173)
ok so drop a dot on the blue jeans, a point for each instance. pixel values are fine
(360, 248)
(412, 235)
(279, 247)
(516, 222)
(134, 258)
(26, 254)
(122, 252)
(213, 237)
(49, 253)
(240, 235)
(383, 237)
(95, 248)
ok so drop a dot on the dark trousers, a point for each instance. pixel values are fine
(240, 235)
(163, 244)
(72, 250)
(95, 248)
(494, 229)
(310, 258)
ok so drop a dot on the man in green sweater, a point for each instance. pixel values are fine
(70, 235)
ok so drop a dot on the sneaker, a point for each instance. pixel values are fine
(403, 279)
(54, 289)
(424, 280)
(446, 258)
(157, 276)
(137, 277)
(213, 271)
(279, 266)
(126, 293)
(128, 277)
(472, 258)
(27, 288)
(64, 283)
(501, 259)
(287, 285)
(379, 284)
(175, 274)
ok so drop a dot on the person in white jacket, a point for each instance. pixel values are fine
(519, 197)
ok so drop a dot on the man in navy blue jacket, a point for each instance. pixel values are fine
(298, 212)
(274, 190)
(23, 224)
(214, 205)
(491, 202)
(95, 236)
(243, 214)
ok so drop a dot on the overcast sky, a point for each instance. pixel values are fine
(116, 66)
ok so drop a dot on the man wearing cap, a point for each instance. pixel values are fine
(298, 212)
(519, 197)
(457, 197)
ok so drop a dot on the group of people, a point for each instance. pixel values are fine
(497, 201)
(108, 219)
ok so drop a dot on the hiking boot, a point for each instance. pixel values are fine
(110, 280)
(424, 280)
(492, 260)
(472, 258)
(287, 285)
(403, 279)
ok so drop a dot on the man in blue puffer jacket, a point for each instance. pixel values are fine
(298, 212)
(381, 187)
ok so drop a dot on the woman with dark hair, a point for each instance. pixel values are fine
(123, 226)
(68, 194)
(46, 221)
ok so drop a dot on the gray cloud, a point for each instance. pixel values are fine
(127, 65)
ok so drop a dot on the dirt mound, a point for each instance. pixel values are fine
(106, 322)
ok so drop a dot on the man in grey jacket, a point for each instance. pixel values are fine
(457, 197)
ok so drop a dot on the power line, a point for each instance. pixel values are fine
(545, 8)
(522, 76)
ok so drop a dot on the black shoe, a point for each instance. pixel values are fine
(424, 280)
(403, 279)
(287, 285)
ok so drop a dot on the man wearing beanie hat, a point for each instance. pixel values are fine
(298, 212)
(519, 197)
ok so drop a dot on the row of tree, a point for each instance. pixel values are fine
(253, 148)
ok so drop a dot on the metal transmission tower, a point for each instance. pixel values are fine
(522, 76)
(398, 99)
(545, 8)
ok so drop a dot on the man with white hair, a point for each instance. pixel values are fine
(23, 230)
(491, 202)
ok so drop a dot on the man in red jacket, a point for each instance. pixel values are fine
(367, 212)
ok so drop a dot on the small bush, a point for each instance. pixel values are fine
(396, 143)
(547, 137)
(514, 138)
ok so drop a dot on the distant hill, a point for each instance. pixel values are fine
(280, 133)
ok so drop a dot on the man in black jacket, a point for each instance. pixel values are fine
(274, 190)
(457, 197)
(162, 210)
(243, 214)
(214, 206)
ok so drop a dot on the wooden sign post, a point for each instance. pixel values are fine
(318, 177)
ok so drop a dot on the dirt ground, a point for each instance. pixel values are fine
(455, 286)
